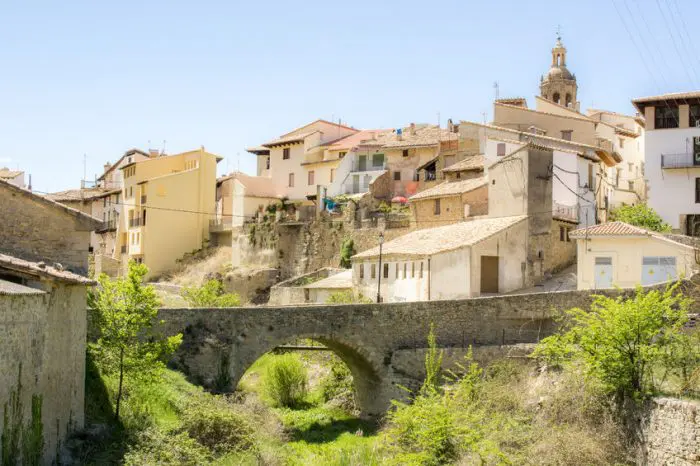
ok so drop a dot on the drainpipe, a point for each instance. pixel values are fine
(429, 275)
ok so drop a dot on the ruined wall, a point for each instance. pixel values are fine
(36, 230)
(45, 334)
(671, 433)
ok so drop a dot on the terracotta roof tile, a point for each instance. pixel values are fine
(450, 188)
(472, 162)
(77, 194)
(435, 240)
(340, 280)
(298, 137)
(42, 269)
(611, 229)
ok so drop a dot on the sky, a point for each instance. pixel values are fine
(86, 80)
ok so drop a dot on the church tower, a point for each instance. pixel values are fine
(559, 85)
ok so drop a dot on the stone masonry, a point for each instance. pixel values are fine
(672, 433)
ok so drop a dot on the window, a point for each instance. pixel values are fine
(459, 175)
(332, 174)
(501, 149)
(566, 134)
(694, 115)
(131, 191)
(631, 185)
(405, 152)
(641, 167)
(631, 167)
(413, 270)
(285, 153)
(311, 178)
(562, 234)
(104, 202)
(405, 268)
(568, 238)
(377, 160)
(436, 211)
(621, 142)
(590, 177)
(421, 270)
(397, 271)
(697, 190)
(397, 176)
(386, 270)
(342, 154)
(617, 177)
(267, 163)
(143, 219)
(291, 180)
(666, 117)
(362, 271)
(373, 272)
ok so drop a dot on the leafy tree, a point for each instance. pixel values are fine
(211, 294)
(627, 344)
(347, 250)
(347, 297)
(640, 215)
(124, 311)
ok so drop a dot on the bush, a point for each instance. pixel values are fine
(155, 447)
(347, 297)
(338, 385)
(286, 381)
(218, 427)
(347, 250)
(211, 294)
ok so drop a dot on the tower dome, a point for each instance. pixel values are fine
(559, 84)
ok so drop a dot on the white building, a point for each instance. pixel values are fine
(14, 177)
(672, 157)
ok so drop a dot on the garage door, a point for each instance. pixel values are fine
(656, 269)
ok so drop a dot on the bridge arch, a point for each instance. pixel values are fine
(372, 391)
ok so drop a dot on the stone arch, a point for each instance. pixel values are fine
(568, 100)
(556, 98)
(372, 387)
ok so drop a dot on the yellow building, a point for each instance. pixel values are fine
(618, 254)
(168, 202)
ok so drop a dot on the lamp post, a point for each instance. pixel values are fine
(379, 282)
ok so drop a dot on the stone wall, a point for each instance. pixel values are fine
(40, 230)
(45, 334)
(671, 433)
(107, 265)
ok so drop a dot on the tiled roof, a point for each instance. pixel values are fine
(348, 142)
(258, 150)
(424, 136)
(435, 240)
(611, 229)
(320, 120)
(450, 188)
(77, 194)
(298, 137)
(339, 280)
(7, 174)
(42, 269)
(472, 162)
(10, 288)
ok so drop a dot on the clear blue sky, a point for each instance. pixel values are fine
(97, 78)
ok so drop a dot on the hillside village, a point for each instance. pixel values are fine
(416, 213)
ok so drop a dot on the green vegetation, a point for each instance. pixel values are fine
(629, 345)
(347, 250)
(640, 215)
(347, 297)
(124, 312)
(20, 442)
(286, 381)
(210, 294)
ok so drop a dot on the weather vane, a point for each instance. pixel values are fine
(558, 31)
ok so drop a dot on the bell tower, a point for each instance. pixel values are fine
(559, 85)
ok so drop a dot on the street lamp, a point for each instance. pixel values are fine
(379, 282)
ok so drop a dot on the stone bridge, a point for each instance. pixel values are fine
(383, 345)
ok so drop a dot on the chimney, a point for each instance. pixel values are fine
(413, 129)
(30, 183)
(450, 126)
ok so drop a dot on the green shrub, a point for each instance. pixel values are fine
(640, 215)
(338, 385)
(347, 250)
(155, 447)
(218, 427)
(347, 297)
(211, 294)
(286, 381)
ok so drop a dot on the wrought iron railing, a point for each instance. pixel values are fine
(108, 225)
(135, 222)
(684, 160)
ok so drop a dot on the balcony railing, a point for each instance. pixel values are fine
(685, 160)
(109, 225)
(565, 212)
(135, 222)
(367, 167)
(221, 224)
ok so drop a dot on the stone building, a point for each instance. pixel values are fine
(449, 202)
(559, 84)
(43, 254)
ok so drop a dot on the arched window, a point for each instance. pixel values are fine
(568, 100)
(556, 98)
(558, 60)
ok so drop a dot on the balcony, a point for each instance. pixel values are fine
(109, 225)
(367, 167)
(565, 212)
(685, 160)
(135, 222)
(223, 224)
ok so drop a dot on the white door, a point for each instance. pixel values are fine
(658, 269)
(603, 273)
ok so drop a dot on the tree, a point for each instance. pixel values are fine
(124, 311)
(347, 250)
(211, 294)
(640, 215)
(347, 297)
(627, 344)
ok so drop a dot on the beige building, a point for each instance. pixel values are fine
(617, 254)
(168, 203)
(450, 202)
(43, 260)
